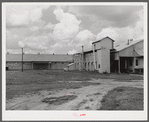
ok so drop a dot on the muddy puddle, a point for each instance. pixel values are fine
(59, 100)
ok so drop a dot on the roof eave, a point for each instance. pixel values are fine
(128, 46)
(102, 39)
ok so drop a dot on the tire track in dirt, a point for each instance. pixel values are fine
(88, 98)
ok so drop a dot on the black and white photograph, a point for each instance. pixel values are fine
(74, 61)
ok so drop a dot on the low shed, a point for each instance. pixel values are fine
(37, 61)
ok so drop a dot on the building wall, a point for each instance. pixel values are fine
(27, 66)
(78, 61)
(140, 63)
(58, 65)
(89, 57)
(99, 63)
(102, 57)
(129, 52)
(89, 61)
(108, 43)
(36, 66)
(18, 65)
(14, 65)
(103, 54)
(40, 66)
(103, 62)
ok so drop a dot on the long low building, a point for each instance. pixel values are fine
(38, 61)
(105, 58)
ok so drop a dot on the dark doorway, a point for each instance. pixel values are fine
(114, 66)
(113, 62)
(40, 66)
(126, 64)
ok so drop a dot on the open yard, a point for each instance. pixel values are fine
(71, 90)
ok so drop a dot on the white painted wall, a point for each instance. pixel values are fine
(104, 60)
(102, 57)
(99, 60)
(103, 54)
(108, 43)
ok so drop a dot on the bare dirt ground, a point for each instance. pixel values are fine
(81, 98)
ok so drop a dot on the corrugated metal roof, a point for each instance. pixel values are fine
(125, 45)
(140, 52)
(85, 50)
(40, 57)
(88, 50)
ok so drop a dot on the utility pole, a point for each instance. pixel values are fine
(134, 60)
(94, 59)
(93, 45)
(22, 59)
(82, 58)
(119, 64)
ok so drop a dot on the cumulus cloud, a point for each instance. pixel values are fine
(18, 15)
(36, 14)
(21, 44)
(57, 45)
(84, 38)
(12, 39)
(18, 19)
(13, 51)
(123, 34)
(36, 42)
(68, 26)
(30, 51)
(84, 35)
(115, 16)
(34, 28)
(72, 52)
(49, 26)
(66, 33)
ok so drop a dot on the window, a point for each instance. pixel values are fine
(137, 62)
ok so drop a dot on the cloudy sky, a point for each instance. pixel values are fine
(45, 28)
